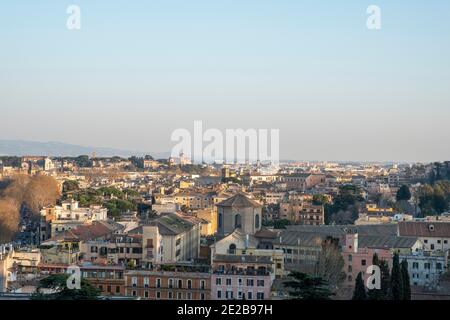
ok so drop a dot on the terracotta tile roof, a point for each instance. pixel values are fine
(92, 231)
(240, 201)
(424, 229)
(266, 233)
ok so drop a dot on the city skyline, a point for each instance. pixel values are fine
(134, 73)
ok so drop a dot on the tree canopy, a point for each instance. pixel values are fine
(307, 287)
(57, 283)
(403, 193)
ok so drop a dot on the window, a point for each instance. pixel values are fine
(108, 288)
(240, 282)
(202, 284)
(202, 296)
(134, 281)
(363, 262)
(438, 266)
(180, 283)
(445, 241)
(229, 294)
(426, 240)
(239, 295)
(170, 283)
(349, 268)
(350, 257)
(189, 296)
(237, 221)
(415, 265)
(257, 221)
(158, 283)
(158, 295)
(260, 283)
(189, 284)
(260, 296)
(179, 296)
(134, 293)
(218, 281)
(219, 294)
(439, 241)
(249, 282)
(117, 289)
(146, 294)
(170, 295)
(427, 265)
(146, 282)
(228, 281)
(432, 246)
(232, 248)
(249, 295)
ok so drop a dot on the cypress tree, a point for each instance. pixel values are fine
(396, 279)
(360, 290)
(385, 280)
(405, 278)
(375, 294)
(375, 260)
(383, 292)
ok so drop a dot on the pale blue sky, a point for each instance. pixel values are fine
(137, 70)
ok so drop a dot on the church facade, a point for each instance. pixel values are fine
(239, 212)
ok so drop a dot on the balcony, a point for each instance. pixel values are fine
(244, 272)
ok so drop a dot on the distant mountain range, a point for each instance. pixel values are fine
(33, 148)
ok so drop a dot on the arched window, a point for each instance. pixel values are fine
(232, 248)
(257, 221)
(237, 221)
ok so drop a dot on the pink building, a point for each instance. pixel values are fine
(358, 259)
(238, 277)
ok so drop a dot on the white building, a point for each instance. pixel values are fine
(434, 235)
(425, 269)
(69, 216)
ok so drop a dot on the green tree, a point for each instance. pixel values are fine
(383, 292)
(406, 283)
(70, 185)
(319, 199)
(396, 279)
(403, 193)
(306, 287)
(360, 291)
(57, 283)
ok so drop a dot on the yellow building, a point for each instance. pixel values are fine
(209, 227)
(62, 249)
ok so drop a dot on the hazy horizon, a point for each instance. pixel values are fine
(137, 71)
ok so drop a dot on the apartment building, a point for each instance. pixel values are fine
(168, 285)
(109, 279)
(194, 200)
(241, 277)
(300, 212)
(434, 235)
(170, 238)
(426, 268)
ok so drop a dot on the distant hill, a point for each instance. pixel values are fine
(24, 148)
